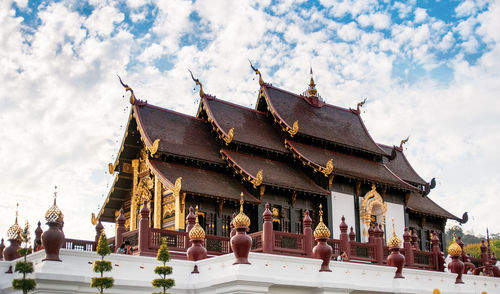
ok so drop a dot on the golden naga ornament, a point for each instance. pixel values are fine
(241, 220)
(111, 168)
(15, 231)
(360, 104)
(153, 148)
(93, 219)
(197, 232)
(229, 137)
(295, 128)
(454, 248)
(404, 141)
(321, 231)
(257, 72)
(328, 169)
(127, 88)
(54, 214)
(394, 241)
(257, 181)
(197, 83)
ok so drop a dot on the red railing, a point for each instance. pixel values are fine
(362, 251)
(176, 240)
(256, 241)
(336, 247)
(216, 245)
(424, 260)
(288, 243)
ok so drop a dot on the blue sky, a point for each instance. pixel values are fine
(428, 68)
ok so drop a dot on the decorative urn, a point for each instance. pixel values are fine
(322, 250)
(456, 266)
(241, 243)
(14, 237)
(196, 251)
(395, 259)
(53, 237)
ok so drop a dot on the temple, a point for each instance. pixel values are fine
(293, 151)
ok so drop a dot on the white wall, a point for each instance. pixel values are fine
(397, 212)
(343, 205)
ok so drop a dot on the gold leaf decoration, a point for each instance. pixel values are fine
(93, 219)
(229, 137)
(153, 148)
(177, 186)
(295, 128)
(328, 169)
(111, 168)
(258, 179)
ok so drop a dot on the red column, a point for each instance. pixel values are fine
(408, 248)
(308, 234)
(436, 250)
(267, 231)
(379, 244)
(144, 229)
(120, 229)
(344, 238)
(370, 234)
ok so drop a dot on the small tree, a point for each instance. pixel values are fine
(101, 266)
(163, 271)
(24, 267)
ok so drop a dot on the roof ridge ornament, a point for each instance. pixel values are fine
(257, 72)
(197, 83)
(312, 86)
(127, 88)
(404, 141)
(360, 104)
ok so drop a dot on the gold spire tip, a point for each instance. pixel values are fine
(241, 202)
(393, 228)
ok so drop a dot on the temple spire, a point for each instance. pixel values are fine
(311, 91)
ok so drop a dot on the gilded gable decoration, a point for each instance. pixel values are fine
(372, 205)
(257, 72)
(153, 148)
(127, 88)
(258, 179)
(198, 84)
(229, 137)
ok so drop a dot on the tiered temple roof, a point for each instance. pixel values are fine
(260, 146)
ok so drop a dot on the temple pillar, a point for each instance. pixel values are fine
(144, 229)
(180, 199)
(120, 229)
(267, 231)
(357, 224)
(133, 202)
(308, 234)
(157, 220)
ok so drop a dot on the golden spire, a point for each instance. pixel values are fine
(197, 83)
(321, 231)
(454, 248)
(311, 91)
(15, 231)
(394, 241)
(197, 232)
(257, 72)
(54, 214)
(241, 220)
(127, 88)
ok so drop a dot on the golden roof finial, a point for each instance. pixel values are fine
(127, 88)
(321, 230)
(196, 213)
(394, 241)
(257, 72)
(17, 211)
(312, 86)
(54, 214)
(404, 141)
(197, 83)
(360, 104)
(15, 231)
(241, 220)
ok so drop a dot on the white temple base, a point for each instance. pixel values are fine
(268, 273)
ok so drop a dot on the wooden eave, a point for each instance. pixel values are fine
(305, 161)
(223, 135)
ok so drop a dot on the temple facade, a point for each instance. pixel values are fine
(293, 151)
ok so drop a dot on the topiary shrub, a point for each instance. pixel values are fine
(102, 266)
(24, 267)
(163, 271)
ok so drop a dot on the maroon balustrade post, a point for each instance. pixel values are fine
(63, 239)
(461, 244)
(190, 220)
(144, 229)
(98, 230)
(484, 255)
(308, 234)
(37, 244)
(379, 244)
(371, 238)
(415, 239)
(241, 242)
(437, 251)
(395, 259)
(344, 238)
(196, 251)
(267, 231)
(120, 229)
(456, 266)
(2, 247)
(322, 250)
(53, 237)
(408, 249)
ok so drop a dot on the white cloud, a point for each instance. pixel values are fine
(377, 20)
(420, 15)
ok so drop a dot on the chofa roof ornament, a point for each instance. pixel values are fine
(360, 104)
(257, 72)
(197, 83)
(127, 88)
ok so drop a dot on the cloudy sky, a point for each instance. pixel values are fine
(430, 69)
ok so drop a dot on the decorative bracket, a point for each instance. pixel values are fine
(153, 148)
(230, 134)
(258, 179)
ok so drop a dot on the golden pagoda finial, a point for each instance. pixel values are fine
(241, 220)
(55, 194)
(404, 141)
(360, 104)
(196, 213)
(127, 88)
(197, 232)
(197, 83)
(241, 202)
(17, 211)
(394, 241)
(454, 248)
(321, 230)
(15, 231)
(54, 214)
(311, 91)
(257, 72)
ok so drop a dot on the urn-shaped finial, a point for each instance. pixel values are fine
(321, 230)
